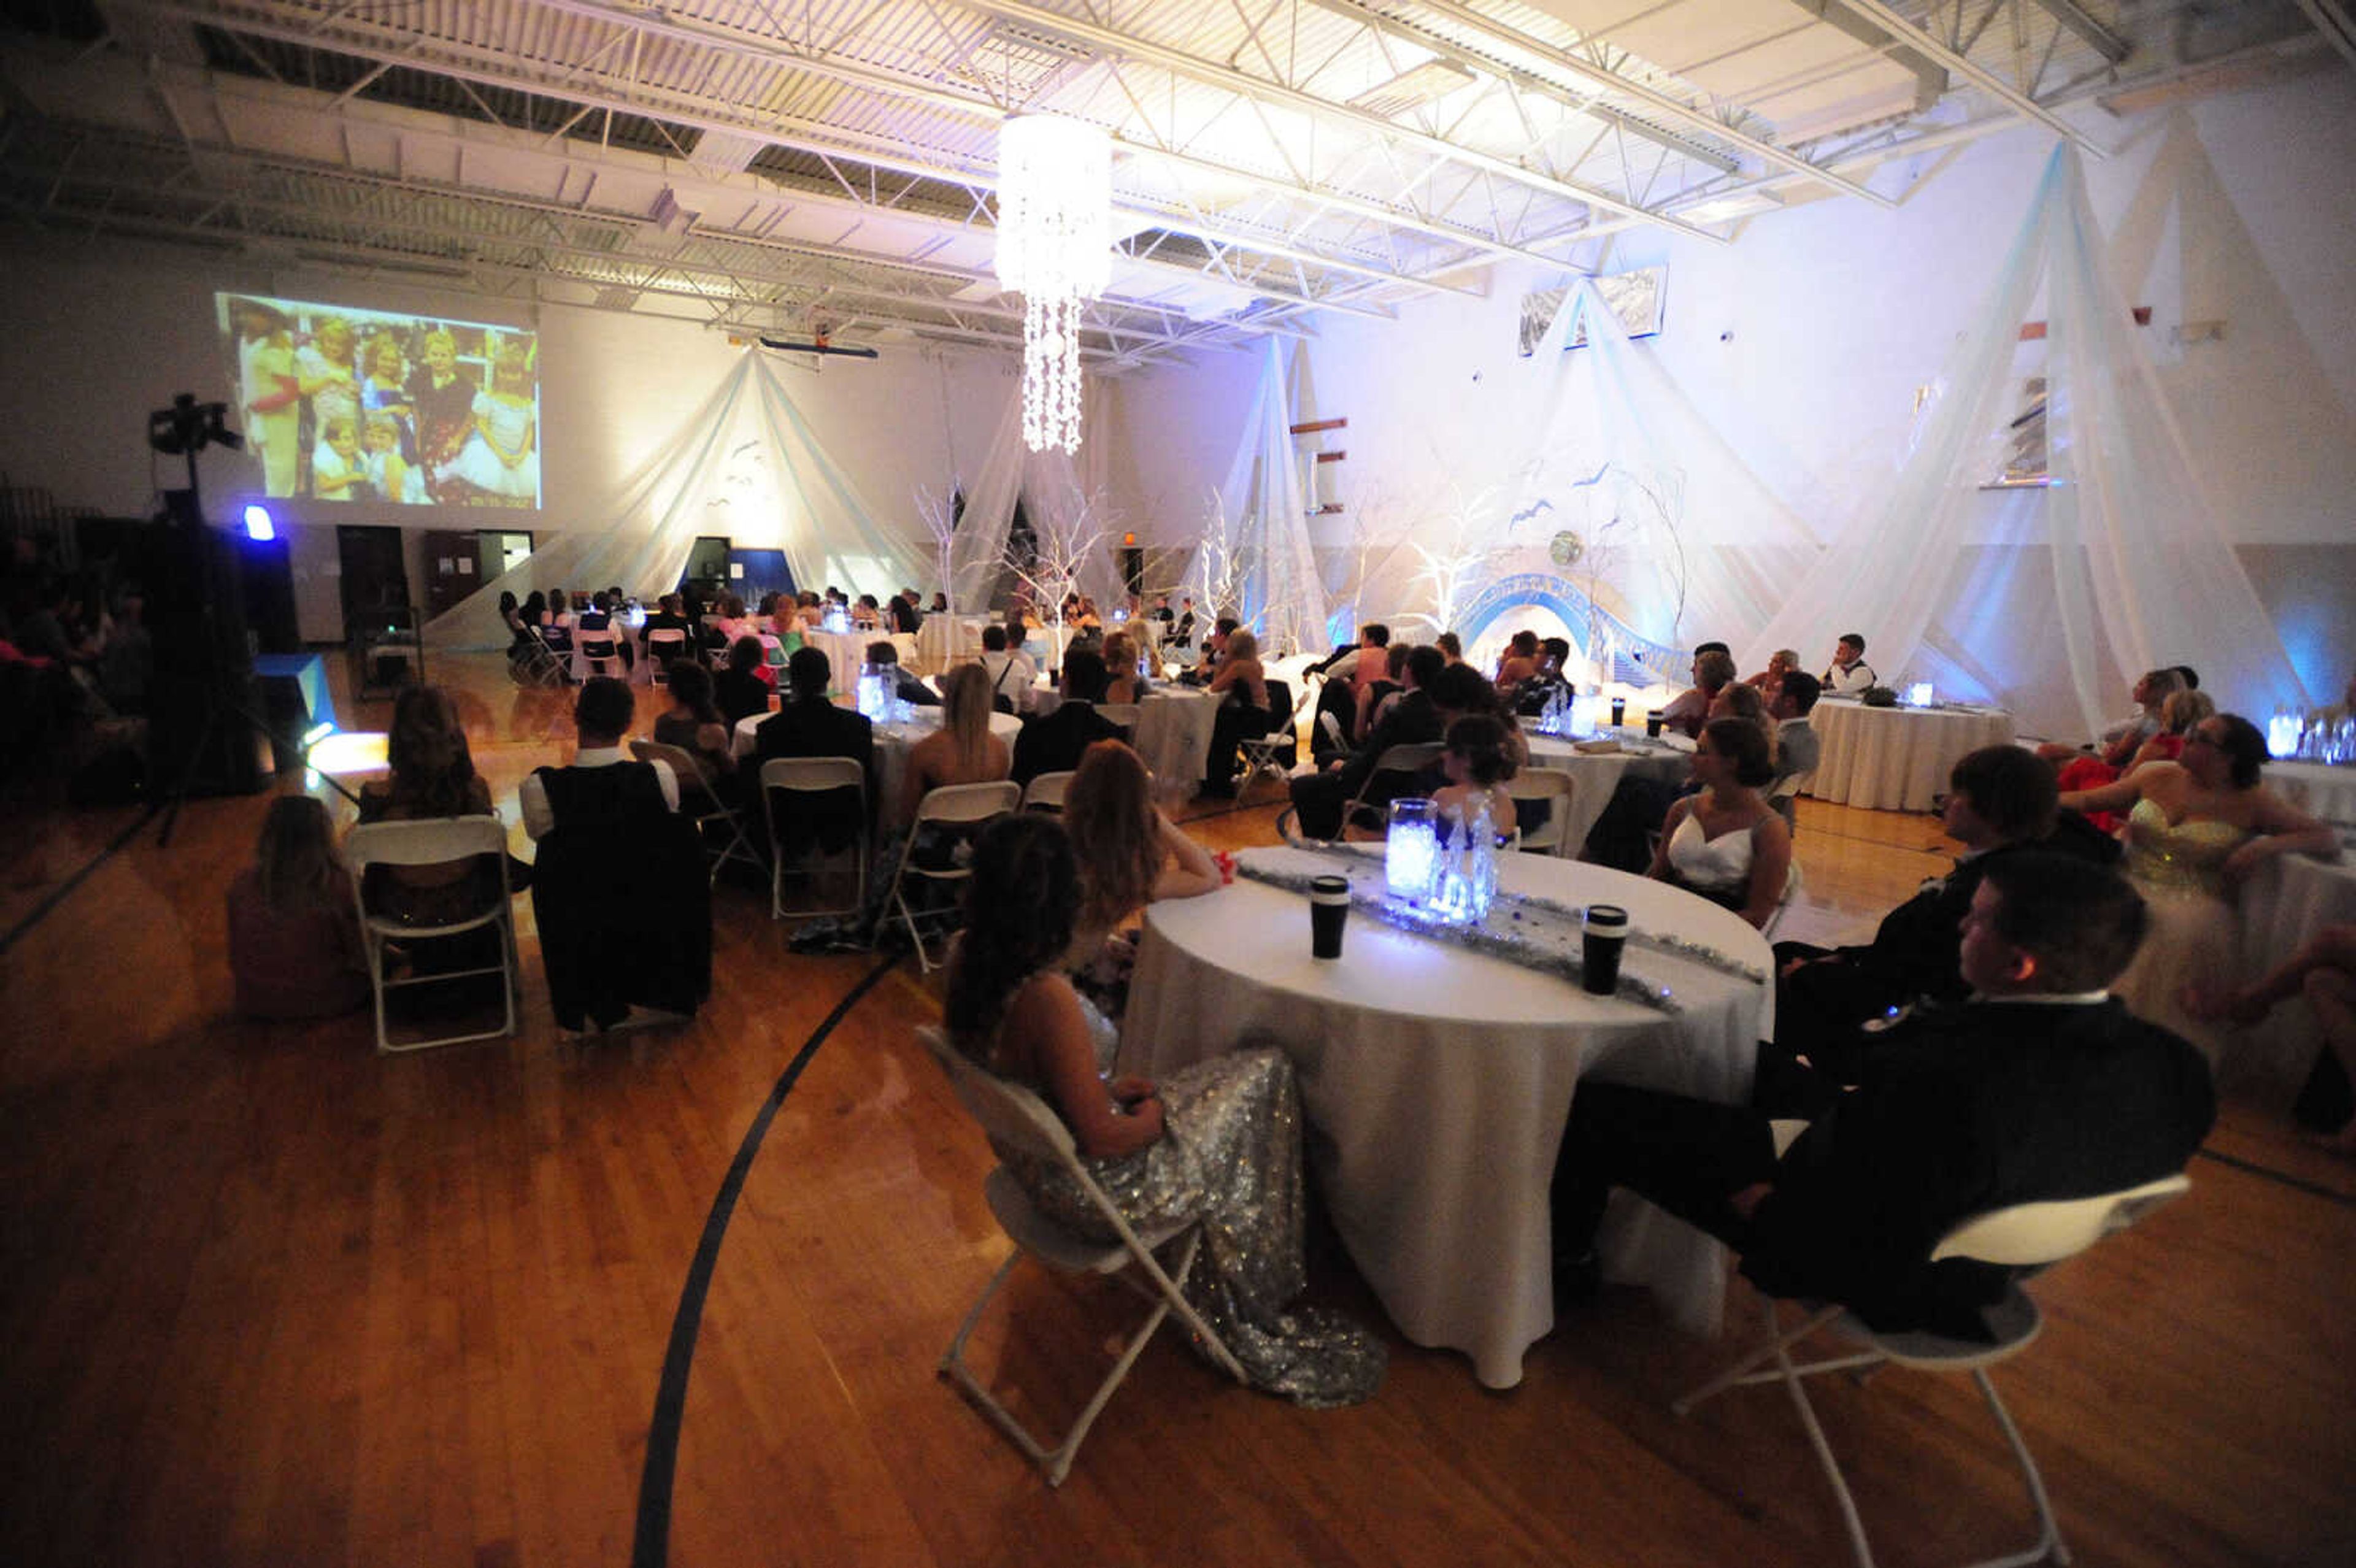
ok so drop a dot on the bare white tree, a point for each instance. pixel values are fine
(1222, 564)
(1372, 548)
(938, 514)
(1062, 549)
(1465, 545)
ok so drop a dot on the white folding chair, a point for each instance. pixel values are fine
(1260, 752)
(1395, 761)
(598, 652)
(958, 804)
(702, 805)
(534, 663)
(2027, 1235)
(664, 643)
(1557, 788)
(1047, 792)
(1017, 1121)
(790, 776)
(433, 841)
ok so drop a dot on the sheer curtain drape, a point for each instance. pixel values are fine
(1267, 505)
(697, 481)
(2140, 571)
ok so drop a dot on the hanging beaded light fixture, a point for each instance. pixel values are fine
(1055, 246)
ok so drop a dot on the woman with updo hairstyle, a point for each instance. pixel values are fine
(1725, 843)
(1131, 855)
(1477, 761)
(1218, 1143)
(694, 723)
(2196, 829)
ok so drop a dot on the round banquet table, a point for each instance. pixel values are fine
(1437, 1082)
(1595, 775)
(892, 743)
(1897, 759)
(946, 640)
(2316, 788)
(1174, 735)
(846, 654)
(2290, 898)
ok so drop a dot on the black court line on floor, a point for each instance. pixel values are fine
(2282, 1178)
(57, 895)
(650, 1545)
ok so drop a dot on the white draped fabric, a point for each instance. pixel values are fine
(1683, 542)
(1061, 500)
(747, 445)
(1283, 599)
(2141, 572)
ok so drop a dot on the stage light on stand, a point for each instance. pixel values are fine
(1054, 241)
(259, 524)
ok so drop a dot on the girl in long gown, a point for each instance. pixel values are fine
(501, 457)
(1219, 1142)
(2196, 829)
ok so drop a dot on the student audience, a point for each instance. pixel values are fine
(294, 947)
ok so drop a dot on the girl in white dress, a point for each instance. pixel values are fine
(502, 456)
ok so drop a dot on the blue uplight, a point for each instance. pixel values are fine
(259, 524)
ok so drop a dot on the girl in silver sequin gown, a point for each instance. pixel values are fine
(1219, 1142)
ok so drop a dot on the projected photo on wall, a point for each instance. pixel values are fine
(353, 405)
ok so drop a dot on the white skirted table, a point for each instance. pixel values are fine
(1595, 775)
(2319, 789)
(892, 743)
(1437, 1081)
(2290, 898)
(946, 640)
(1172, 734)
(1897, 759)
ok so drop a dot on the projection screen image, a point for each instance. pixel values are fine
(353, 405)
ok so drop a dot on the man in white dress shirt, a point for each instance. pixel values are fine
(1849, 674)
(601, 717)
(1011, 674)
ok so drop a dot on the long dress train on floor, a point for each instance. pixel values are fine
(1230, 1155)
(2194, 935)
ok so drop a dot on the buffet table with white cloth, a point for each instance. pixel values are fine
(1437, 1081)
(1595, 775)
(1897, 759)
(892, 742)
(2319, 789)
(2283, 905)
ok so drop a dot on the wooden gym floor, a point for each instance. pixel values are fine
(272, 1299)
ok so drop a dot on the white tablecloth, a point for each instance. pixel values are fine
(1437, 1082)
(1173, 736)
(946, 640)
(1594, 775)
(2289, 900)
(846, 654)
(2317, 789)
(892, 743)
(1897, 759)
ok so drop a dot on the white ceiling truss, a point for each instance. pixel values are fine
(779, 165)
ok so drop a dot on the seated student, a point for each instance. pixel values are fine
(810, 726)
(1780, 663)
(1713, 670)
(619, 891)
(1797, 745)
(1014, 678)
(294, 947)
(1054, 743)
(2000, 803)
(1518, 663)
(1318, 799)
(742, 688)
(598, 619)
(1374, 699)
(695, 725)
(1244, 714)
(1723, 843)
(671, 615)
(1531, 697)
(1848, 674)
(2040, 1087)
(431, 773)
(1477, 764)
(905, 687)
(1123, 679)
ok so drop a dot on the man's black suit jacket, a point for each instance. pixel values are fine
(1412, 720)
(813, 727)
(1054, 745)
(1978, 1107)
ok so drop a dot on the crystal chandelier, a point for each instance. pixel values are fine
(1054, 245)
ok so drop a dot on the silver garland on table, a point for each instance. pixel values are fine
(1509, 946)
(1675, 947)
(1694, 952)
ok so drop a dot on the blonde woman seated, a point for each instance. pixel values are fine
(1243, 715)
(1725, 843)
(1131, 855)
(1219, 1142)
(962, 750)
(1123, 683)
(2196, 829)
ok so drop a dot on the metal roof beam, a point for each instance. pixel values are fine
(1978, 75)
